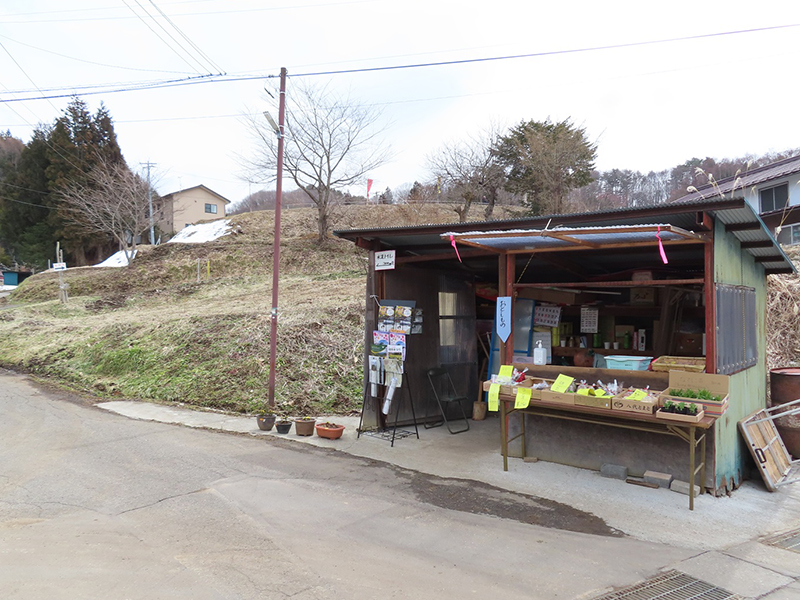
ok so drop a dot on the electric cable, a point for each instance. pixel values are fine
(191, 43)
(90, 62)
(210, 78)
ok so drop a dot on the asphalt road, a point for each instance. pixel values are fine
(95, 505)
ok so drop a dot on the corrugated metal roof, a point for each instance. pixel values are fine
(730, 185)
(564, 238)
(739, 218)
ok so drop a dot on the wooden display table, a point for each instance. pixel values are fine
(612, 418)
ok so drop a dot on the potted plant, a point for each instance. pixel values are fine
(304, 425)
(283, 424)
(331, 431)
(680, 411)
(265, 419)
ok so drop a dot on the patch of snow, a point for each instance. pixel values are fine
(7, 288)
(205, 232)
(116, 260)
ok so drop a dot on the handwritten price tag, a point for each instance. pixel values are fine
(561, 384)
(523, 398)
(506, 371)
(494, 394)
(637, 395)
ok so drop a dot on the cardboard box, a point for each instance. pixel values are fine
(679, 417)
(558, 398)
(594, 401)
(510, 391)
(718, 385)
(642, 407)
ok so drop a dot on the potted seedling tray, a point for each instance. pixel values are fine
(687, 412)
(709, 391)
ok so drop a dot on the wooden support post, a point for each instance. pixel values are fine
(710, 298)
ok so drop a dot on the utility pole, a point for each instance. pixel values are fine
(148, 164)
(276, 244)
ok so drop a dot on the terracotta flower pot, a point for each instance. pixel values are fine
(332, 431)
(304, 426)
(265, 422)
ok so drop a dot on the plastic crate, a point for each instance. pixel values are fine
(628, 363)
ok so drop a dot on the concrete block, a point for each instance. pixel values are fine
(614, 471)
(530, 459)
(682, 487)
(660, 479)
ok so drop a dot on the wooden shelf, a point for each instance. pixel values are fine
(571, 351)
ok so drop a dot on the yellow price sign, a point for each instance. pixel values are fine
(562, 383)
(506, 371)
(494, 394)
(523, 397)
(637, 395)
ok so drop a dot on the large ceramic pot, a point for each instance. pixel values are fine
(304, 426)
(784, 386)
(265, 422)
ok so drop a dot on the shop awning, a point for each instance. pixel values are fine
(574, 238)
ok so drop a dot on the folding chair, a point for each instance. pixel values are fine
(446, 395)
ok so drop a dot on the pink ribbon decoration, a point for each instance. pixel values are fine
(660, 246)
(453, 244)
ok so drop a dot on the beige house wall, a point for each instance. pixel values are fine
(188, 207)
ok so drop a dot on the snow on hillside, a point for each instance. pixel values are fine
(116, 260)
(205, 232)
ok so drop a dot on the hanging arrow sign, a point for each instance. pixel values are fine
(503, 317)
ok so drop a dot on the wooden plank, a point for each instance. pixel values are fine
(619, 284)
(767, 448)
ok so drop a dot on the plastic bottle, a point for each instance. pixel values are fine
(626, 341)
(539, 354)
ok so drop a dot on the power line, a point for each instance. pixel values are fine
(178, 54)
(185, 37)
(183, 14)
(90, 62)
(194, 80)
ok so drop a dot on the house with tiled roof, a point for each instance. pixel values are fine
(773, 191)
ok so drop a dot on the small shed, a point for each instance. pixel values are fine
(14, 277)
(690, 277)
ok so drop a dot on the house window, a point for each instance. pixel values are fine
(789, 235)
(774, 198)
(211, 208)
(737, 344)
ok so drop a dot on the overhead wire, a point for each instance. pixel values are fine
(211, 78)
(185, 37)
(90, 62)
(174, 51)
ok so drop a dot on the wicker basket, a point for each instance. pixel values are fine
(694, 364)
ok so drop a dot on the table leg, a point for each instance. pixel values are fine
(692, 445)
(504, 433)
(703, 458)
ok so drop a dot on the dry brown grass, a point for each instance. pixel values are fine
(783, 317)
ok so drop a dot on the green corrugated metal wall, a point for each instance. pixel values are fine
(748, 388)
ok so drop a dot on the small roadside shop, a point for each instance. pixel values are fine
(603, 294)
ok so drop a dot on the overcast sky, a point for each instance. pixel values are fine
(648, 106)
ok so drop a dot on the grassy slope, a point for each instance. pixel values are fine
(152, 332)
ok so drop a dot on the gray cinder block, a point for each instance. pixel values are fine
(660, 479)
(614, 471)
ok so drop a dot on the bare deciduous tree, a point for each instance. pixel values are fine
(470, 171)
(330, 144)
(113, 200)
